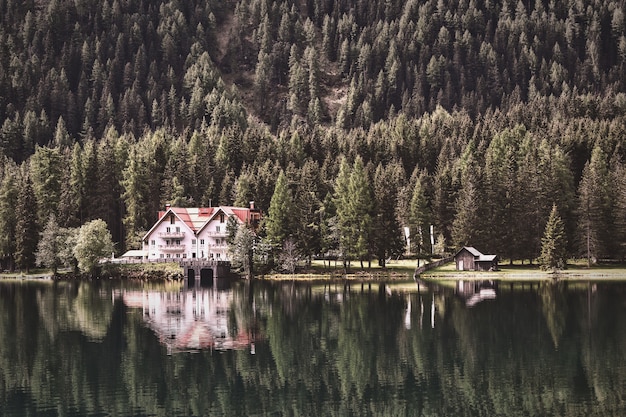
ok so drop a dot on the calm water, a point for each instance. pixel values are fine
(93, 349)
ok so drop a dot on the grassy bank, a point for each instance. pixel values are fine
(145, 272)
(324, 270)
(576, 271)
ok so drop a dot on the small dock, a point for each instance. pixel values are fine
(204, 271)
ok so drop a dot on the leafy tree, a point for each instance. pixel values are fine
(554, 243)
(93, 243)
(289, 255)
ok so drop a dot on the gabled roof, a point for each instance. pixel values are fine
(180, 213)
(196, 218)
(242, 214)
(477, 254)
(472, 250)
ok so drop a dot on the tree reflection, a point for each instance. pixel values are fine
(321, 351)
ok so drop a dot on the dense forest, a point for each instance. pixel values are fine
(344, 121)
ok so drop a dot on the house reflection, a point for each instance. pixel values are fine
(473, 292)
(194, 320)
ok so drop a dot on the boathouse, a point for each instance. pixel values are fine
(471, 259)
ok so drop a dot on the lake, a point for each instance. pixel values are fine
(295, 349)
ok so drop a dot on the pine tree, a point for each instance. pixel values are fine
(26, 236)
(554, 243)
(419, 217)
(353, 199)
(281, 212)
(49, 248)
(8, 202)
(593, 207)
(387, 234)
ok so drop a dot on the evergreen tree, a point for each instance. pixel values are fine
(26, 234)
(8, 203)
(278, 224)
(554, 243)
(594, 219)
(353, 199)
(242, 250)
(387, 234)
(48, 249)
(419, 217)
(46, 174)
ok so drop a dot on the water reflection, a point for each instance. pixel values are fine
(107, 349)
(196, 318)
(473, 292)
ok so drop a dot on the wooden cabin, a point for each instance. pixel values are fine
(471, 259)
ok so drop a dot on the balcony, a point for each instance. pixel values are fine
(213, 233)
(172, 248)
(175, 235)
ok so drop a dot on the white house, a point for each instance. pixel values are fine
(198, 232)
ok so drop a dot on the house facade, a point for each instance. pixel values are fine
(471, 259)
(195, 232)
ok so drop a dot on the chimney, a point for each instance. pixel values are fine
(167, 207)
(252, 205)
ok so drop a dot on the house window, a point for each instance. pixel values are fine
(178, 230)
(153, 243)
(172, 219)
(217, 229)
(178, 255)
(193, 241)
(167, 256)
(218, 256)
(167, 230)
(167, 242)
(161, 255)
(218, 242)
(221, 218)
(184, 255)
(201, 241)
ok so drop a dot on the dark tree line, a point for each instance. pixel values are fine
(344, 121)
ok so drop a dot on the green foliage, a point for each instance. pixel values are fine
(93, 243)
(153, 105)
(554, 243)
(242, 250)
(26, 228)
(281, 212)
(48, 248)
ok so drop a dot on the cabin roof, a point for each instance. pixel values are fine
(480, 257)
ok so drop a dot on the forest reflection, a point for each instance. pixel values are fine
(261, 348)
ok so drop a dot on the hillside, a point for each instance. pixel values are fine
(468, 115)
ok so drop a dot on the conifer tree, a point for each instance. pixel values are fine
(281, 212)
(554, 243)
(419, 217)
(8, 203)
(26, 236)
(48, 248)
(593, 207)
